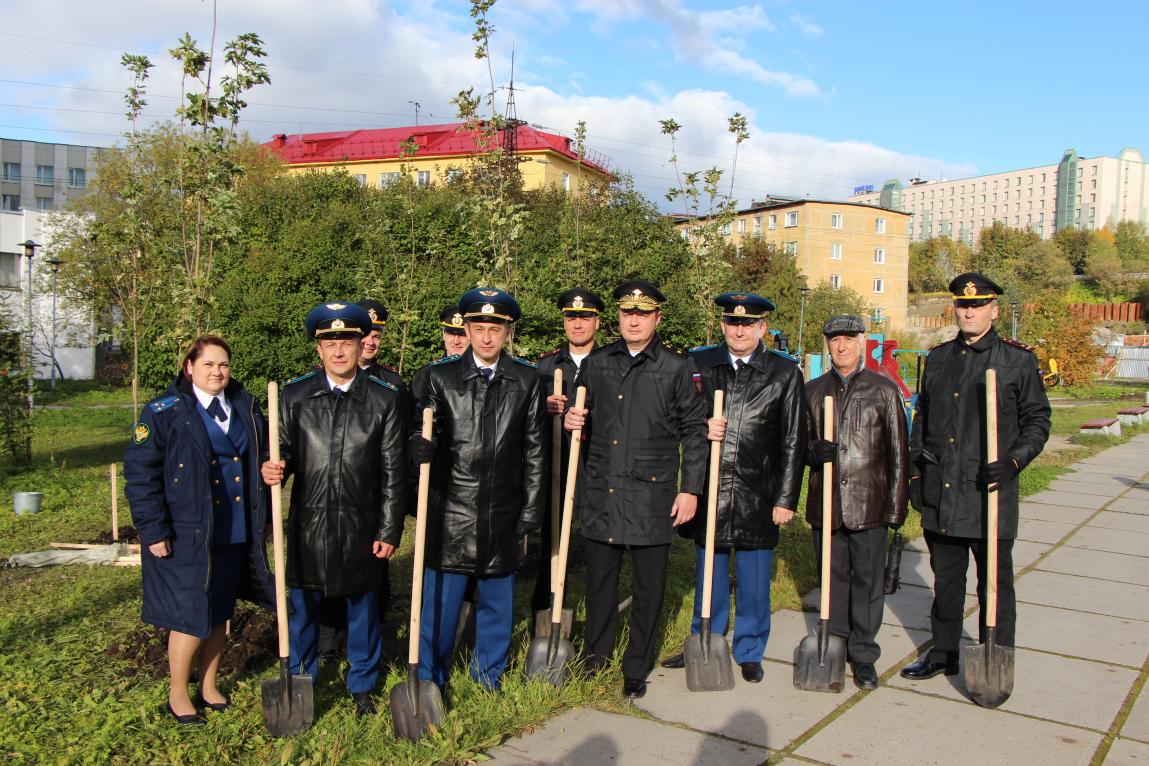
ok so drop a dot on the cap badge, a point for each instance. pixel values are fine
(577, 302)
(488, 308)
(489, 293)
(457, 319)
(336, 306)
(337, 324)
(373, 314)
(637, 293)
(738, 297)
(740, 310)
(970, 289)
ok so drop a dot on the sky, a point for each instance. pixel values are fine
(837, 94)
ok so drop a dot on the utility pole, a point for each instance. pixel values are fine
(418, 106)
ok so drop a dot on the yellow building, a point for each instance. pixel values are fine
(431, 154)
(844, 244)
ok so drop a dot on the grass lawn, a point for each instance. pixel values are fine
(63, 699)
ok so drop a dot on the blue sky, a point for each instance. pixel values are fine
(837, 94)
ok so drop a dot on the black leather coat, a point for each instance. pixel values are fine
(644, 410)
(763, 452)
(348, 455)
(948, 441)
(871, 472)
(489, 474)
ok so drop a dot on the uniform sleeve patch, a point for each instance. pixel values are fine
(525, 362)
(383, 383)
(696, 379)
(142, 433)
(159, 405)
(302, 377)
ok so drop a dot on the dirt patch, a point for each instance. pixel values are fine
(128, 534)
(251, 646)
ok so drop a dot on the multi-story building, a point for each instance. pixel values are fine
(843, 244)
(435, 153)
(40, 176)
(1077, 192)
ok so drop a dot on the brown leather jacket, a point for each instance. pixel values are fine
(872, 471)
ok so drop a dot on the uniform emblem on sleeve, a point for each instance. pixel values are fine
(696, 378)
(142, 433)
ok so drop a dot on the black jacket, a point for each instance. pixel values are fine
(348, 455)
(872, 470)
(948, 441)
(644, 411)
(763, 452)
(489, 474)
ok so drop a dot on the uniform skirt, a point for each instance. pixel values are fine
(228, 563)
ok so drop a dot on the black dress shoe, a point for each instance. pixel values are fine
(218, 707)
(926, 668)
(364, 705)
(751, 671)
(865, 675)
(677, 662)
(186, 720)
(635, 688)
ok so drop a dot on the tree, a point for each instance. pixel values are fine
(1042, 266)
(1132, 243)
(1055, 333)
(1103, 266)
(1000, 249)
(1073, 243)
(934, 262)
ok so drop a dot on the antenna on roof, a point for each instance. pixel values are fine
(418, 106)
(511, 117)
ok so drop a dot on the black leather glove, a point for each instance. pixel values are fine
(996, 472)
(421, 450)
(916, 491)
(825, 451)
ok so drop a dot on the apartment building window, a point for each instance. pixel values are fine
(361, 179)
(879, 285)
(757, 224)
(880, 225)
(1043, 179)
(1093, 183)
(9, 271)
(772, 222)
(835, 220)
(1078, 186)
(44, 174)
(43, 203)
(386, 179)
(790, 248)
(836, 252)
(77, 178)
(879, 255)
(1030, 180)
(835, 281)
(741, 225)
(1015, 220)
(1093, 198)
(1018, 181)
(566, 182)
(792, 218)
(423, 178)
(9, 202)
(1093, 170)
(11, 171)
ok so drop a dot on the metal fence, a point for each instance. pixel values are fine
(1132, 363)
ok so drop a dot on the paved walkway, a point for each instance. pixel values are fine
(1081, 662)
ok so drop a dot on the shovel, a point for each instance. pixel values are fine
(548, 659)
(706, 655)
(820, 659)
(989, 667)
(543, 616)
(417, 706)
(288, 701)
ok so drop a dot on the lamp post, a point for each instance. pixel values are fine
(29, 253)
(55, 263)
(1013, 307)
(802, 322)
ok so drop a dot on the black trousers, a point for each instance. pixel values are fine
(949, 557)
(603, 563)
(857, 595)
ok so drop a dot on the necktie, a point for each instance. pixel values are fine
(486, 372)
(215, 409)
(738, 365)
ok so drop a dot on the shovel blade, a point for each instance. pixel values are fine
(818, 672)
(543, 623)
(988, 672)
(288, 705)
(547, 666)
(416, 708)
(708, 668)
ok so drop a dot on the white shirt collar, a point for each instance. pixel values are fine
(735, 359)
(492, 367)
(332, 385)
(205, 399)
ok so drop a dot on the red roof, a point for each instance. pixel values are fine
(448, 140)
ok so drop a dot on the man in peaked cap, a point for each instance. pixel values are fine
(950, 469)
(454, 334)
(871, 470)
(644, 420)
(580, 309)
(347, 505)
(763, 435)
(489, 466)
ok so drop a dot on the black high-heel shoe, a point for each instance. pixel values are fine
(186, 720)
(218, 707)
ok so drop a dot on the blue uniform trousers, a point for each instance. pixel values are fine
(494, 612)
(752, 618)
(364, 639)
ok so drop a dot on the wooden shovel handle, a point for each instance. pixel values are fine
(277, 520)
(560, 580)
(420, 544)
(827, 505)
(991, 500)
(556, 479)
(711, 514)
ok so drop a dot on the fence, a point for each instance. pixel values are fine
(1092, 312)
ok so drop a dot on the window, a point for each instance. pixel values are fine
(361, 179)
(43, 203)
(835, 252)
(880, 225)
(879, 285)
(9, 270)
(879, 255)
(77, 178)
(454, 175)
(757, 224)
(772, 222)
(790, 248)
(423, 178)
(11, 171)
(386, 179)
(835, 281)
(9, 202)
(726, 229)
(741, 225)
(1093, 183)
(566, 182)
(44, 174)
(835, 220)
(792, 218)
(1093, 170)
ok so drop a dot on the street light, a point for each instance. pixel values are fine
(29, 253)
(1013, 307)
(802, 322)
(55, 263)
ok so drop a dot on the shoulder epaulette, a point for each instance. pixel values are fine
(383, 383)
(696, 349)
(445, 359)
(299, 378)
(784, 355)
(387, 367)
(525, 362)
(552, 352)
(1018, 343)
(672, 349)
(159, 405)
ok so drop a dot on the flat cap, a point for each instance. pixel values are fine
(579, 301)
(376, 310)
(974, 289)
(337, 319)
(451, 320)
(638, 295)
(489, 304)
(844, 324)
(743, 308)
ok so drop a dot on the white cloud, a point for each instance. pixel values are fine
(807, 27)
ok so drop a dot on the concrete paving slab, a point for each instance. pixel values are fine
(1123, 455)
(1112, 540)
(1070, 592)
(1104, 479)
(1069, 483)
(1131, 503)
(1026, 552)
(1126, 752)
(1118, 472)
(874, 731)
(787, 628)
(1126, 522)
(909, 607)
(1098, 564)
(1077, 634)
(1071, 499)
(897, 644)
(769, 714)
(916, 571)
(1087, 693)
(1137, 724)
(1060, 513)
(1039, 531)
(593, 737)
